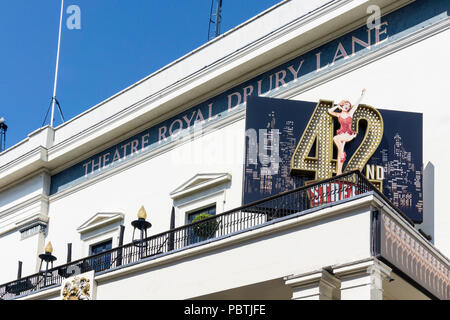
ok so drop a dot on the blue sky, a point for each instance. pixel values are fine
(119, 43)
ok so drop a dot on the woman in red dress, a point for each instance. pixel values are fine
(344, 133)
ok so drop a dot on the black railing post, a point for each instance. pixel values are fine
(119, 253)
(172, 226)
(69, 253)
(141, 247)
(19, 271)
(46, 272)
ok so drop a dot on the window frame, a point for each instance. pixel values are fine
(191, 238)
(104, 265)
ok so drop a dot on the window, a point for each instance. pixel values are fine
(211, 210)
(101, 262)
(203, 193)
(100, 233)
(203, 231)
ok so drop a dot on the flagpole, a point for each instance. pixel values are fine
(57, 65)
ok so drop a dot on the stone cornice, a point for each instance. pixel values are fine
(19, 222)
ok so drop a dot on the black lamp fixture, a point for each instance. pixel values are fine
(141, 224)
(48, 258)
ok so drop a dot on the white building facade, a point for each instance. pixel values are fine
(175, 143)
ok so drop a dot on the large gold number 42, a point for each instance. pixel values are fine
(320, 132)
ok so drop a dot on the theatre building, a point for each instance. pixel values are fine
(300, 155)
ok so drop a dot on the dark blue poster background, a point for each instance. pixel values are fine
(399, 153)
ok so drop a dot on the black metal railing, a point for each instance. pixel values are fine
(240, 219)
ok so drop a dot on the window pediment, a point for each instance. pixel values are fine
(100, 220)
(200, 182)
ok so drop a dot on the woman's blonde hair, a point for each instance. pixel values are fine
(341, 104)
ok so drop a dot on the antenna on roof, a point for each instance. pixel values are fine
(54, 100)
(3, 128)
(212, 33)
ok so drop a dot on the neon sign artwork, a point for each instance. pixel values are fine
(320, 133)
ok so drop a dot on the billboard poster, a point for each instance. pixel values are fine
(275, 128)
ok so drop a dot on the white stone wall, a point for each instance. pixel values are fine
(21, 207)
(149, 184)
(337, 240)
(15, 249)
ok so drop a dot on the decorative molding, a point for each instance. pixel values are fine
(40, 198)
(405, 252)
(32, 230)
(40, 152)
(152, 154)
(32, 220)
(304, 279)
(369, 273)
(353, 268)
(319, 283)
(25, 178)
(40, 215)
(100, 220)
(387, 209)
(406, 41)
(199, 183)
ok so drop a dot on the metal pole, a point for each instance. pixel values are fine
(69, 252)
(45, 276)
(218, 17)
(172, 226)
(122, 231)
(142, 244)
(119, 253)
(19, 272)
(57, 65)
(3, 128)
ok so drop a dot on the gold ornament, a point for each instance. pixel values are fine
(48, 248)
(142, 214)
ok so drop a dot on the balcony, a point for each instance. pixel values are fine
(283, 207)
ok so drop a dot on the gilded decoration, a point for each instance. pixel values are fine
(79, 288)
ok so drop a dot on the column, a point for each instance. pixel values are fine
(363, 280)
(318, 285)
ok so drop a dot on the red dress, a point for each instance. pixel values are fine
(346, 126)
